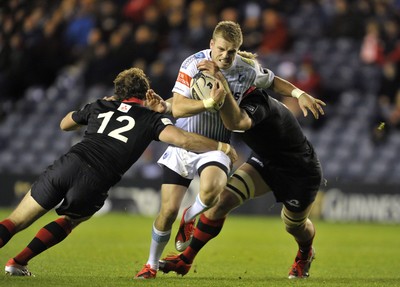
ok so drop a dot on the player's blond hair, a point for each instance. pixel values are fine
(129, 83)
(247, 55)
(230, 31)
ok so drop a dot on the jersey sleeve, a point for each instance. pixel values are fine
(255, 109)
(161, 122)
(264, 77)
(81, 116)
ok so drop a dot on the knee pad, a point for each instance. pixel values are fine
(241, 185)
(293, 220)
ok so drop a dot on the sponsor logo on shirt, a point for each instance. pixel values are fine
(124, 108)
(165, 155)
(250, 108)
(293, 202)
(257, 161)
(184, 79)
(166, 121)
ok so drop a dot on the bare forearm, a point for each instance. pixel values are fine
(283, 87)
(232, 116)
(198, 143)
(183, 107)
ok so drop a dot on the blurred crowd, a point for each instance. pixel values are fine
(39, 38)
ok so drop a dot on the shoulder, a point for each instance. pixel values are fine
(246, 62)
(256, 98)
(148, 115)
(195, 58)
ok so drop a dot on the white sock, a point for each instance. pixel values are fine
(159, 240)
(197, 208)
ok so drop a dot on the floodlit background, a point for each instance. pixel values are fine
(57, 55)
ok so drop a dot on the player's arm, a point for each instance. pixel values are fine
(184, 107)
(233, 117)
(195, 142)
(68, 124)
(306, 102)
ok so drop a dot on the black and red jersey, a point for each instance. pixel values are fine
(276, 135)
(117, 134)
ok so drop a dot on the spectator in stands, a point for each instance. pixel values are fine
(78, 28)
(391, 40)
(345, 22)
(196, 30)
(388, 104)
(371, 46)
(275, 38)
(252, 30)
(230, 13)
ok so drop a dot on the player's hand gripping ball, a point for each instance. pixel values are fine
(200, 89)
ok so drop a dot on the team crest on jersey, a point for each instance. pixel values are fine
(188, 61)
(248, 61)
(200, 55)
(124, 108)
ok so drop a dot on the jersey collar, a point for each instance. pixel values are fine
(133, 100)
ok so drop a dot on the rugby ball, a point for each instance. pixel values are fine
(200, 88)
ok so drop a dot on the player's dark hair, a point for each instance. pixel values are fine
(230, 31)
(129, 83)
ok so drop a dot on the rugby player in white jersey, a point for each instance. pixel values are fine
(239, 72)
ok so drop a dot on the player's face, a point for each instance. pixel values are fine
(223, 52)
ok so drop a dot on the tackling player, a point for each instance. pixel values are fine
(284, 163)
(118, 131)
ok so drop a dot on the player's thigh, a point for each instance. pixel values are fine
(252, 179)
(27, 211)
(86, 194)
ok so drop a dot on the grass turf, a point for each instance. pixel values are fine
(109, 250)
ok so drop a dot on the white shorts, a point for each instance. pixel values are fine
(187, 163)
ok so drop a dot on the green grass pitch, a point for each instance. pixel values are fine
(109, 250)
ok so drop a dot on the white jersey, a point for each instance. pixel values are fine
(243, 74)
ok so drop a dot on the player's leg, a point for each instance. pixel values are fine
(48, 236)
(80, 190)
(171, 198)
(246, 183)
(213, 179)
(302, 229)
(24, 215)
(27, 212)
(172, 193)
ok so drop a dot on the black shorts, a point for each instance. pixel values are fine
(295, 186)
(71, 181)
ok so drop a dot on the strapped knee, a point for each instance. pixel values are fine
(241, 185)
(292, 221)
